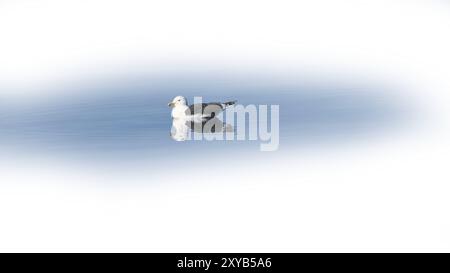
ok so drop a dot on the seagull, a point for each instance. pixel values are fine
(180, 109)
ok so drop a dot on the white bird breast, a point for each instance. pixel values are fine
(179, 111)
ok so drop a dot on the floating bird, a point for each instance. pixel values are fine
(198, 110)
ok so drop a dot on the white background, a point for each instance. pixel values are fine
(383, 194)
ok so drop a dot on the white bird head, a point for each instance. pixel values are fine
(178, 101)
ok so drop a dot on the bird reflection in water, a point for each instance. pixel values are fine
(182, 129)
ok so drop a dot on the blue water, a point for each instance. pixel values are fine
(130, 119)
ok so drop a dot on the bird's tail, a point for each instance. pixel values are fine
(228, 103)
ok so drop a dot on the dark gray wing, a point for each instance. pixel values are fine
(210, 125)
(205, 109)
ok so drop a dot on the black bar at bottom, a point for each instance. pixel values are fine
(215, 262)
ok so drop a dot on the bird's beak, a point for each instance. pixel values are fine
(171, 104)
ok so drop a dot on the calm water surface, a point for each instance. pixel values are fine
(131, 119)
